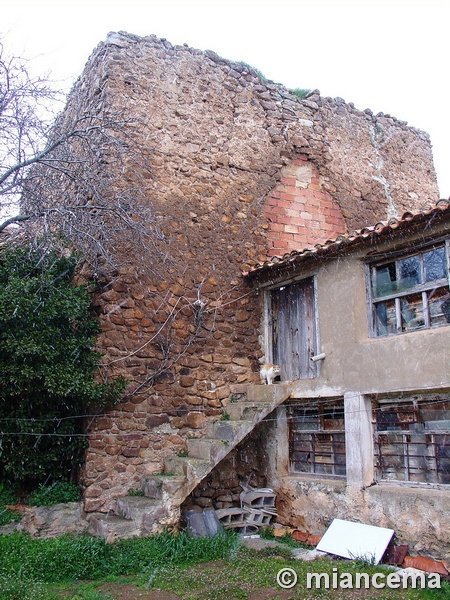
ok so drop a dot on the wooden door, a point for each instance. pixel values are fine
(293, 324)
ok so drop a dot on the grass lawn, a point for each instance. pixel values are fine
(168, 567)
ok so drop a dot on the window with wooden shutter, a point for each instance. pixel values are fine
(292, 328)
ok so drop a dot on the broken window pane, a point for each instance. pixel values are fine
(435, 264)
(386, 317)
(411, 308)
(439, 306)
(416, 295)
(385, 282)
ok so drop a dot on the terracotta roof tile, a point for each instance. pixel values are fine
(353, 239)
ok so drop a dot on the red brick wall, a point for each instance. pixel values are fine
(299, 211)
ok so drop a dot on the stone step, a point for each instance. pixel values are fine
(211, 450)
(159, 486)
(247, 411)
(111, 527)
(228, 430)
(277, 392)
(132, 508)
(188, 467)
(147, 515)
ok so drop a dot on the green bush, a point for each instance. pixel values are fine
(7, 496)
(7, 516)
(47, 367)
(57, 493)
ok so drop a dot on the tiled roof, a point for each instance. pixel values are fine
(358, 237)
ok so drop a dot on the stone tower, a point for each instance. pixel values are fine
(241, 169)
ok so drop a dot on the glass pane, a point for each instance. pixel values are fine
(421, 453)
(385, 280)
(391, 456)
(411, 308)
(306, 419)
(409, 272)
(333, 417)
(435, 264)
(301, 453)
(439, 306)
(385, 318)
(387, 419)
(442, 443)
(419, 460)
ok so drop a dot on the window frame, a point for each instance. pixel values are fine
(395, 257)
(310, 435)
(418, 439)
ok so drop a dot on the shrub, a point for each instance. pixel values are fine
(7, 496)
(47, 367)
(7, 516)
(57, 493)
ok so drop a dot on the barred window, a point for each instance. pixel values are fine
(412, 440)
(317, 438)
(411, 292)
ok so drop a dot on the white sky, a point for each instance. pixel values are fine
(391, 56)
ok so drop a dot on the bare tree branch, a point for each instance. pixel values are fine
(58, 176)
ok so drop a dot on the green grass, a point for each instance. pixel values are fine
(300, 93)
(53, 560)
(7, 496)
(247, 571)
(135, 492)
(85, 568)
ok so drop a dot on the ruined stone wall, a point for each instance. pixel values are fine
(218, 140)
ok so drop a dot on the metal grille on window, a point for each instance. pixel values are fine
(317, 438)
(412, 440)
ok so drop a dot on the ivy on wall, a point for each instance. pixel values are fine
(47, 368)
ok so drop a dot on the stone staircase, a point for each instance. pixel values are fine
(159, 506)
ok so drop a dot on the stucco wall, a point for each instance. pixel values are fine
(359, 368)
(417, 360)
(418, 517)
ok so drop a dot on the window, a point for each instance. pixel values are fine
(292, 326)
(317, 438)
(411, 292)
(412, 439)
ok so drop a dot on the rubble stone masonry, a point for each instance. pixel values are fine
(241, 168)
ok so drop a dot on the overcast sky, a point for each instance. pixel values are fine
(391, 56)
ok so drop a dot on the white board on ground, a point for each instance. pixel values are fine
(355, 540)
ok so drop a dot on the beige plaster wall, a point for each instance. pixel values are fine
(417, 360)
(357, 365)
(419, 517)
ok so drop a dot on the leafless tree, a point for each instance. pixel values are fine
(59, 176)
